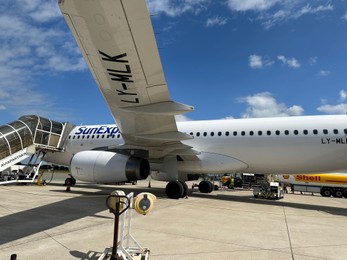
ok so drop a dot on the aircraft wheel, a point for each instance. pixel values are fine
(185, 189)
(338, 193)
(70, 181)
(205, 187)
(174, 190)
(326, 192)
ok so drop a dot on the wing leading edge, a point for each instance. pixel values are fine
(117, 42)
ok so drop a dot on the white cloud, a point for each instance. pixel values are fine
(340, 108)
(264, 105)
(258, 62)
(344, 17)
(2, 107)
(34, 41)
(182, 118)
(254, 5)
(271, 12)
(333, 109)
(173, 9)
(324, 73)
(255, 61)
(308, 9)
(290, 62)
(216, 21)
(343, 95)
(313, 60)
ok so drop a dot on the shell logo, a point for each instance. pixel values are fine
(286, 177)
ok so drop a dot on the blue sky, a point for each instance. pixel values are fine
(228, 59)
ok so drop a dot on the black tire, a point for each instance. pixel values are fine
(205, 187)
(326, 192)
(67, 182)
(174, 190)
(338, 193)
(73, 181)
(185, 189)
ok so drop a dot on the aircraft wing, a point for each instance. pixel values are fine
(118, 44)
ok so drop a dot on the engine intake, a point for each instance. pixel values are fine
(108, 167)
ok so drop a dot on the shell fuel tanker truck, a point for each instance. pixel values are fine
(328, 184)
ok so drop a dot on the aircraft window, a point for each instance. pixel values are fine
(103, 136)
(268, 132)
(315, 131)
(251, 133)
(305, 132)
(219, 133)
(69, 136)
(113, 136)
(227, 133)
(286, 132)
(345, 131)
(235, 133)
(97, 136)
(87, 136)
(296, 132)
(336, 131)
(191, 133)
(212, 133)
(205, 133)
(243, 133)
(118, 136)
(325, 131)
(93, 136)
(78, 137)
(278, 132)
(73, 137)
(82, 136)
(260, 132)
(198, 134)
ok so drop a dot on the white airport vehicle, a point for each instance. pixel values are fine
(332, 184)
(117, 42)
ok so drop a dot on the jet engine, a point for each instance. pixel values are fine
(108, 167)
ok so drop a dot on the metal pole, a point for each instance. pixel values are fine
(114, 255)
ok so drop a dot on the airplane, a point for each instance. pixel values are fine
(117, 42)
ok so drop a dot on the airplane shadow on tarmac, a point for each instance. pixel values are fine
(32, 221)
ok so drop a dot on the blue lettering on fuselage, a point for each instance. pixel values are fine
(109, 130)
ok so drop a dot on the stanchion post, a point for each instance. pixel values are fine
(114, 255)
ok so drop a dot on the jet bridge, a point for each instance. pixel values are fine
(29, 136)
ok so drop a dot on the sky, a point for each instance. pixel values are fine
(228, 59)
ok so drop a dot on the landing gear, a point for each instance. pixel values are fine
(205, 187)
(176, 189)
(71, 181)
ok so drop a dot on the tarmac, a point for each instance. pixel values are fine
(49, 222)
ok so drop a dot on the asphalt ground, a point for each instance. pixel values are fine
(51, 223)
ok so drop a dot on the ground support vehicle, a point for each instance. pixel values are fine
(329, 184)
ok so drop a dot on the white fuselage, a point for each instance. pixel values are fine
(289, 145)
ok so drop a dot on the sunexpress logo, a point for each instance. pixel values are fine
(101, 130)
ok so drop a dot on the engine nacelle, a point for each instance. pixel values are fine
(108, 167)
